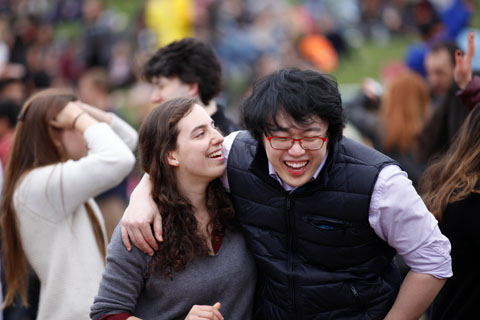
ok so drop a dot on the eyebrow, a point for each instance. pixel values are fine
(202, 126)
(314, 129)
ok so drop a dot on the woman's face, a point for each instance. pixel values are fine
(199, 147)
(73, 143)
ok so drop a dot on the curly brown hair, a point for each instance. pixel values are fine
(182, 241)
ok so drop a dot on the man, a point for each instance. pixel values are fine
(440, 64)
(188, 68)
(322, 215)
(94, 89)
(449, 112)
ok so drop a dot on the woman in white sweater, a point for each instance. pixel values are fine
(64, 154)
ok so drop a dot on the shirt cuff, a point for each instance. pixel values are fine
(470, 96)
(433, 259)
(118, 316)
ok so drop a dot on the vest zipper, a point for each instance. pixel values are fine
(291, 229)
(354, 290)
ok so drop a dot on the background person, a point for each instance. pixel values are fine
(64, 153)
(8, 119)
(405, 109)
(94, 89)
(189, 68)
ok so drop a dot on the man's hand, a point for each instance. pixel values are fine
(463, 63)
(140, 214)
(205, 312)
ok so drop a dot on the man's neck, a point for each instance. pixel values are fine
(211, 107)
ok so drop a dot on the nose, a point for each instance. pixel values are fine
(296, 149)
(156, 96)
(217, 137)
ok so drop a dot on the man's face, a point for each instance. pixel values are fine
(439, 71)
(167, 88)
(296, 166)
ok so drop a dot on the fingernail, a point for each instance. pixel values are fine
(160, 238)
(150, 253)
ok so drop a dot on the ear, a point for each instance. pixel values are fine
(55, 137)
(172, 159)
(193, 89)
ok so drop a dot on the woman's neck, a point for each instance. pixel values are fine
(196, 193)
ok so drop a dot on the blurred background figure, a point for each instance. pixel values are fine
(94, 89)
(64, 153)
(439, 65)
(451, 191)
(13, 89)
(9, 111)
(98, 36)
(451, 112)
(169, 20)
(436, 21)
(404, 111)
(189, 68)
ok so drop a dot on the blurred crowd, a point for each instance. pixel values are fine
(98, 47)
(54, 43)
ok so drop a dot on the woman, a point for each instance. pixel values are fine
(203, 259)
(404, 110)
(451, 190)
(64, 153)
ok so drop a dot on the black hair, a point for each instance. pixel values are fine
(299, 94)
(192, 61)
(9, 109)
(8, 81)
(41, 79)
(449, 46)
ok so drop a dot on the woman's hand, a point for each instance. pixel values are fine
(65, 118)
(96, 113)
(205, 312)
(73, 117)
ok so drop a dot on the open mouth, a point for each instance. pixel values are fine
(296, 165)
(216, 154)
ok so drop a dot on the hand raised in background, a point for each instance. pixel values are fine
(463, 64)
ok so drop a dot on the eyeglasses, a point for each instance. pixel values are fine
(307, 143)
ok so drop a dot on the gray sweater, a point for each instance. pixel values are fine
(228, 277)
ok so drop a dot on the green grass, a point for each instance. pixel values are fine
(70, 30)
(130, 8)
(369, 59)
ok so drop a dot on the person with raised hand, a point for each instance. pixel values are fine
(64, 153)
(204, 259)
(469, 85)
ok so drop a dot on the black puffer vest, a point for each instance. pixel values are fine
(317, 256)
